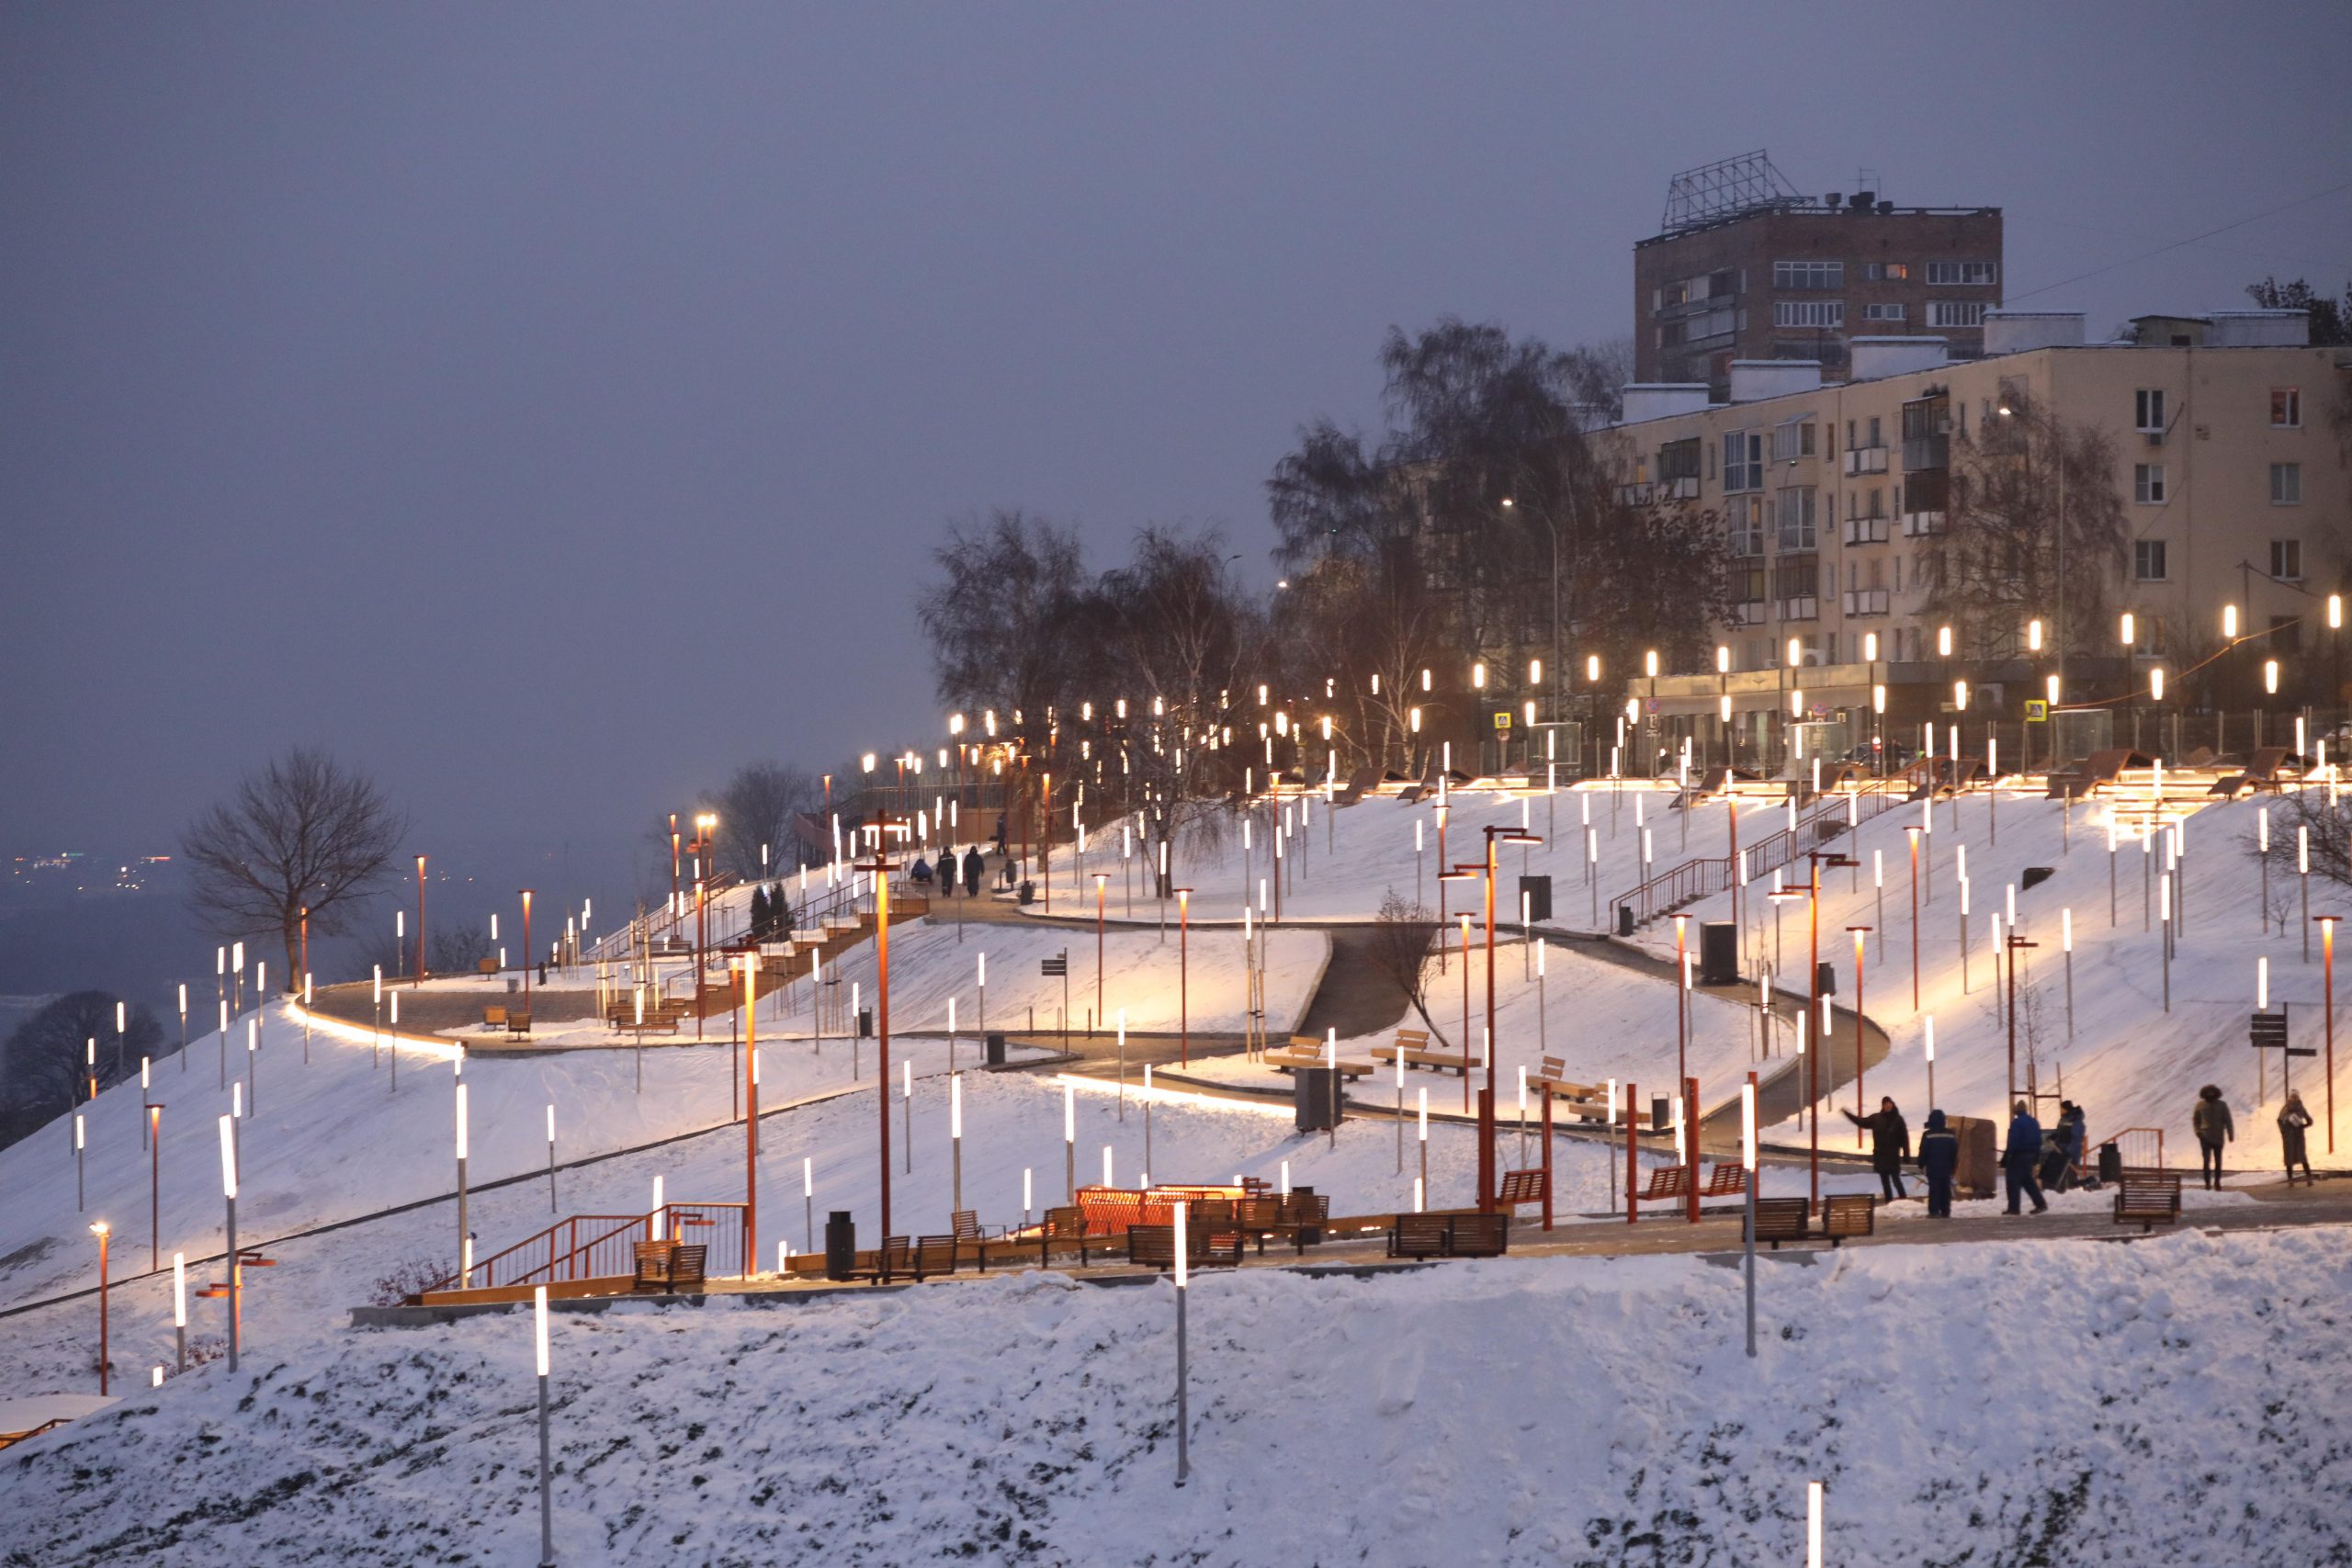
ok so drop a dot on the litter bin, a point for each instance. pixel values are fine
(995, 1050)
(841, 1245)
(1660, 1114)
(1719, 953)
(2110, 1163)
(1308, 1235)
(1824, 978)
(1028, 892)
(866, 1023)
(1314, 1098)
(1535, 897)
(1624, 920)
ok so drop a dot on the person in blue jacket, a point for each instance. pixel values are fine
(1939, 1162)
(2019, 1160)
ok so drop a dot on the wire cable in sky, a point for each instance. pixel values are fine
(2160, 250)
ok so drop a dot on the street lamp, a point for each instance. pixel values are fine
(1183, 975)
(98, 1229)
(1494, 835)
(1811, 894)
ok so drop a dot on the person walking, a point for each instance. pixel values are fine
(2214, 1127)
(1890, 1146)
(2292, 1119)
(2021, 1158)
(972, 869)
(1938, 1162)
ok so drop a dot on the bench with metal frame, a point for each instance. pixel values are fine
(1847, 1215)
(1783, 1219)
(2147, 1198)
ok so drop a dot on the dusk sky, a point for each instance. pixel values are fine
(548, 408)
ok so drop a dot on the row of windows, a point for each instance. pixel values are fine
(2149, 487)
(2150, 562)
(1832, 274)
(1832, 313)
(2148, 409)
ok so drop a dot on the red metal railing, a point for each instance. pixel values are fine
(1693, 879)
(590, 1246)
(2136, 1146)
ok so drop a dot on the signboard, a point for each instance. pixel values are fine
(2037, 711)
(1058, 964)
(2267, 1032)
(1502, 718)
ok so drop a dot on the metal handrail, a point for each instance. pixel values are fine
(595, 1257)
(1706, 875)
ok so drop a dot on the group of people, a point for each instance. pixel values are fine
(2033, 1160)
(2214, 1128)
(921, 873)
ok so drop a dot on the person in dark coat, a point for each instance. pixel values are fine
(2214, 1127)
(2292, 1119)
(1939, 1162)
(2021, 1158)
(2062, 1149)
(1890, 1145)
(972, 869)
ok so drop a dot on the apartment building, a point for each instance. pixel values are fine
(1751, 274)
(2230, 467)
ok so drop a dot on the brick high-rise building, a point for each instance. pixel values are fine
(1745, 268)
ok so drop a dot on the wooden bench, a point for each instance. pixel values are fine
(1668, 1182)
(1065, 1226)
(1587, 1102)
(1413, 1047)
(1848, 1213)
(518, 1024)
(1302, 1218)
(2147, 1200)
(1305, 1051)
(1783, 1219)
(1418, 1236)
(1522, 1186)
(493, 1018)
(1726, 1181)
(894, 1258)
(668, 1267)
(934, 1255)
(486, 966)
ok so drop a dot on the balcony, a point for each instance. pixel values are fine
(1866, 601)
(1866, 459)
(1927, 452)
(1655, 492)
(1751, 613)
(1920, 525)
(1807, 608)
(1866, 530)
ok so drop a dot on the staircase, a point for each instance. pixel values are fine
(1695, 879)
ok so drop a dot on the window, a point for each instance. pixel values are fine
(1808, 312)
(2148, 561)
(1874, 435)
(1744, 517)
(1882, 313)
(1808, 275)
(1885, 272)
(1678, 459)
(2286, 408)
(1744, 459)
(2148, 483)
(2287, 560)
(1954, 313)
(2286, 484)
(2148, 409)
(1964, 272)
(1795, 509)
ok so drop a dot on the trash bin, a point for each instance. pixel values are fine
(1718, 953)
(1028, 892)
(2111, 1163)
(1308, 1235)
(1313, 1098)
(1535, 897)
(995, 1050)
(1661, 1113)
(1624, 920)
(1824, 978)
(841, 1245)
(866, 1023)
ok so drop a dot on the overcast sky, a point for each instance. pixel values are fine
(549, 406)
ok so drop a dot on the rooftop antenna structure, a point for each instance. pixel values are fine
(1730, 187)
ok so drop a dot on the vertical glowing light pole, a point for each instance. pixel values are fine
(1183, 1279)
(1070, 1140)
(99, 1228)
(551, 1156)
(179, 1307)
(229, 1190)
(1812, 1524)
(1748, 1157)
(955, 1134)
(1183, 976)
(465, 1257)
(79, 1138)
(2327, 951)
(752, 1117)
(154, 1184)
(547, 1494)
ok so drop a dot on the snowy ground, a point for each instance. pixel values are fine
(2166, 1401)
(2131, 1062)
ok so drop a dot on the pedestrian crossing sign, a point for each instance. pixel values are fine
(1502, 718)
(2037, 711)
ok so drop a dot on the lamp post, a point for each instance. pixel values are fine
(419, 979)
(1912, 833)
(1494, 835)
(752, 1115)
(179, 1308)
(465, 1259)
(1748, 1157)
(1861, 1100)
(1812, 896)
(229, 1190)
(154, 1185)
(2327, 953)
(879, 867)
(1183, 976)
(1102, 886)
(527, 960)
(547, 1495)
(2013, 942)
(98, 1229)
